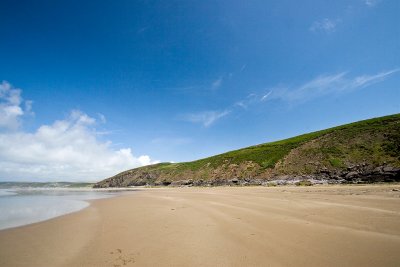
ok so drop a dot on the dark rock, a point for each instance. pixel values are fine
(352, 174)
(378, 169)
(388, 169)
(182, 183)
(256, 182)
(140, 182)
(325, 171)
(165, 182)
(199, 183)
(218, 182)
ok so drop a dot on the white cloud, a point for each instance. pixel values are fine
(325, 25)
(67, 149)
(207, 118)
(10, 106)
(328, 84)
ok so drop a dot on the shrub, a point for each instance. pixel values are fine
(304, 183)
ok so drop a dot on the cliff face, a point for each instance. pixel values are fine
(365, 151)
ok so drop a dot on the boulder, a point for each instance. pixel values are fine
(182, 182)
(352, 174)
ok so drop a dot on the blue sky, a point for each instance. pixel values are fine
(138, 82)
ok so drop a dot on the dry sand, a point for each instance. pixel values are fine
(285, 226)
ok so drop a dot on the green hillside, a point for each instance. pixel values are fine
(369, 150)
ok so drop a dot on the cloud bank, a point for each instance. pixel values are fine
(66, 150)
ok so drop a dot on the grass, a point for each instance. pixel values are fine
(268, 154)
(335, 162)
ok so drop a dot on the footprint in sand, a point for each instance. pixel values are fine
(122, 259)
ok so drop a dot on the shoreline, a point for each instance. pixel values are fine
(225, 226)
(24, 206)
(140, 188)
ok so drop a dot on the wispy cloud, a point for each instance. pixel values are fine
(320, 86)
(248, 101)
(329, 25)
(102, 118)
(366, 80)
(325, 25)
(265, 96)
(208, 87)
(217, 83)
(206, 118)
(328, 84)
(372, 3)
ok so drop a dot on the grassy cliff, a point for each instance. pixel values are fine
(368, 150)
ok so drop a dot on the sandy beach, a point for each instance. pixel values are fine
(254, 226)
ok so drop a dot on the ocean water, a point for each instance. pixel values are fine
(25, 206)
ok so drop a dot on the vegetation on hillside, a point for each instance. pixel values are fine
(371, 143)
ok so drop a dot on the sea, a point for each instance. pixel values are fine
(21, 205)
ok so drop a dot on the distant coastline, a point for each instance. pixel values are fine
(65, 185)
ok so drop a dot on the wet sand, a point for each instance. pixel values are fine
(258, 226)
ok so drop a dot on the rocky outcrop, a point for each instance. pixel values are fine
(352, 174)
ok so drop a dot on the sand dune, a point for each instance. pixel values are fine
(285, 226)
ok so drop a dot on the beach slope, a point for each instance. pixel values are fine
(242, 226)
